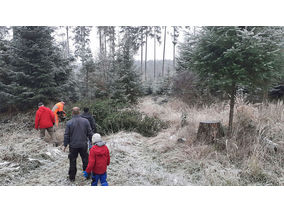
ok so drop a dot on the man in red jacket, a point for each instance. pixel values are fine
(44, 120)
(99, 159)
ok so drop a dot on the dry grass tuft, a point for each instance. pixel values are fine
(252, 156)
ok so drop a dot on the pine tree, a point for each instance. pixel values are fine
(126, 87)
(6, 80)
(40, 72)
(229, 57)
(83, 52)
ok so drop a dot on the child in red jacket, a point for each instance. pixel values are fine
(99, 159)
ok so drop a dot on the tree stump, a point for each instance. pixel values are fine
(209, 131)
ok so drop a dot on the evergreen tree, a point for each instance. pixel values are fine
(229, 57)
(83, 52)
(126, 87)
(6, 95)
(40, 72)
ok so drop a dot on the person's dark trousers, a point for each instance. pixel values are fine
(73, 154)
(89, 144)
(102, 178)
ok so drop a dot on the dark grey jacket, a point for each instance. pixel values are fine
(91, 120)
(77, 131)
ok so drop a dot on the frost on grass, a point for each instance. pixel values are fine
(247, 158)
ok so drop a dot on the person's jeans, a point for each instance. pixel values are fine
(102, 178)
(73, 154)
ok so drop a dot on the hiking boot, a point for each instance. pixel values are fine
(71, 179)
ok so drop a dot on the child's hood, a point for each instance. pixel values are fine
(99, 150)
(100, 143)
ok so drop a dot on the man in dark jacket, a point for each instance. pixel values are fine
(91, 120)
(44, 120)
(77, 132)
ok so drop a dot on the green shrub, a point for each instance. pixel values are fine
(131, 120)
(112, 116)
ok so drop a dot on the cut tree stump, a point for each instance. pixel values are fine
(209, 131)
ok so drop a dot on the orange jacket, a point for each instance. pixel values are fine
(58, 107)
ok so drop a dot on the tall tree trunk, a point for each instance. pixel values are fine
(164, 50)
(232, 105)
(113, 43)
(155, 56)
(174, 47)
(67, 38)
(105, 45)
(87, 82)
(265, 95)
(100, 39)
(83, 34)
(142, 53)
(105, 55)
(146, 41)
(174, 56)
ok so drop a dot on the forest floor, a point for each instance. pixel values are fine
(28, 160)
(135, 160)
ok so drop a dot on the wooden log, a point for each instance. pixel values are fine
(210, 131)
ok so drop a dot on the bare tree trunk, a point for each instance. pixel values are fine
(174, 47)
(142, 54)
(174, 57)
(165, 35)
(83, 34)
(155, 56)
(146, 57)
(67, 38)
(265, 95)
(105, 45)
(105, 55)
(100, 37)
(87, 82)
(113, 42)
(232, 105)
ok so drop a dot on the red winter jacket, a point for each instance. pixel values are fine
(98, 160)
(44, 118)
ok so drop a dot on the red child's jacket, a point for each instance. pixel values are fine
(99, 159)
(44, 118)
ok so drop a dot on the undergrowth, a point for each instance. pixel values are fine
(111, 117)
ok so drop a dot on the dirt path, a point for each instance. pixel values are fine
(132, 163)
